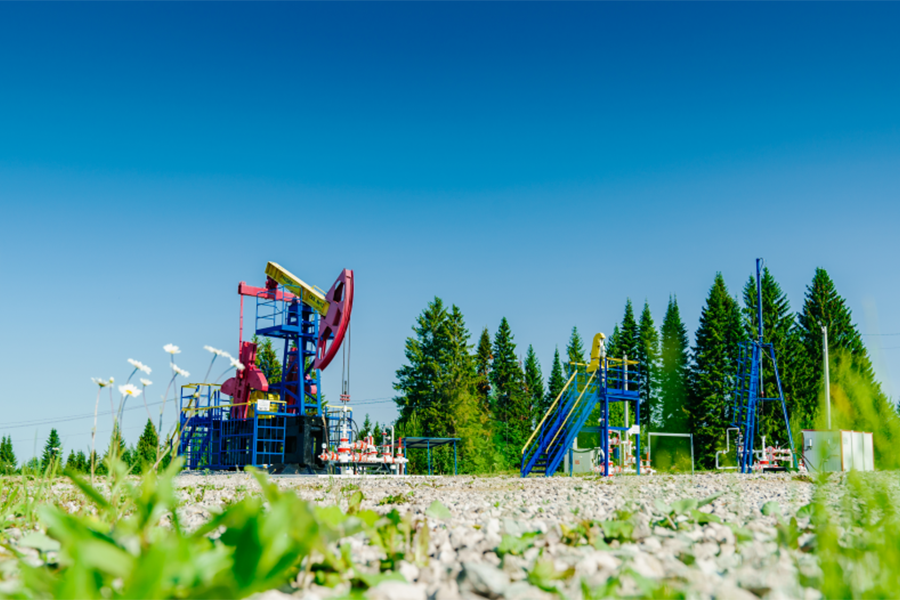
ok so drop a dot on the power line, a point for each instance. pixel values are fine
(879, 334)
(54, 420)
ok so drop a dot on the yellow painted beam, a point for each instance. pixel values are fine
(295, 285)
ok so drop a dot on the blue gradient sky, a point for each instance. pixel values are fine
(542, 162)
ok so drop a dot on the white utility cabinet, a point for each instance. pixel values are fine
(838, 450)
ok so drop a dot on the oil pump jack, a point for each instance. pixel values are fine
(275, 424)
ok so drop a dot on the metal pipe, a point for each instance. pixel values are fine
(827, 380)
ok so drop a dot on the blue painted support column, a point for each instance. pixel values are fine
(428, 445)
(454, 457)
(255, 433)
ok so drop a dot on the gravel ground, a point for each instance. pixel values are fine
(739, 558)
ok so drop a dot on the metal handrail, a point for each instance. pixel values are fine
(547, 414)
(586, 387)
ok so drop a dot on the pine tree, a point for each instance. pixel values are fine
(52, 451)
(778, 330)
(673, 372)
(267, 359)
(712, 370)
(649, 357)
(82, 462)
(116, 446)
(8, 460)
(146, 450)
(534, 383)
(483, 358)
(574, 352)
(629, 335)
(857, 399)
(366, 428)
(377, 432)
(510, 399)
(72, 462)
(555, 383)
(437, 395)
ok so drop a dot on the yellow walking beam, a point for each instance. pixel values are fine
(306, 293)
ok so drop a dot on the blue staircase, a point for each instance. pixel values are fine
(555, 433)
(612, 381)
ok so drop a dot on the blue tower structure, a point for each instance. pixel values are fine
(282, 317)
(748, 388)
(603, 382)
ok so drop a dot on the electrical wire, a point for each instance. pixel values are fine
(54, 420)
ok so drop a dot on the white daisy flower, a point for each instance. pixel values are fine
(171, 349)
(236, 364)
(129, 390)
(101, 382)
(139, 365)
(111, 381)
(180, 371)
(215, 351)
(146, 382)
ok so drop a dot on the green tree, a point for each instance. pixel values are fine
(712, 370)
(534, 383)
(267, 359)
(648, 354)
(778, 330)
(366, 428)
(147, 448)
(437, 392)
(623, 342)
(555, 383)
(82, 463)
(511, 402)
(52, 451)
(483, 358)
(857, 399)
(117, 447)
(72, 462)
(574, 351)
(673, 372)
(8, 460)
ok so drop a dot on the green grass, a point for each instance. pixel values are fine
(123, 538)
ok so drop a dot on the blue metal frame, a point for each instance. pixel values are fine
(298, 325)
(211, 439)
(607, 384)
(746, 387)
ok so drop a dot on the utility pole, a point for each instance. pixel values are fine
(827, 381)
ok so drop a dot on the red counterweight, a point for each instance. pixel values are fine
(333, 326)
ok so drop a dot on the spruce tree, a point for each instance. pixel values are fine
(82, 462)
(437, 395)
(8, 460)
(858, 402)
(555, 383)
(574, 352)
(267, 359)
(483, 358)
(510, 397)
(72, 462)
(778, 330)
(534, 383)
(712, 370)
(673, 372)
(366, 429)
(629, 335)
(146, 450)
(52, 450)
(649, 357)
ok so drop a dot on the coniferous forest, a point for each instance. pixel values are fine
(491, 392)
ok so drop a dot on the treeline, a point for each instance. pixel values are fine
(486, 395)
(139, 458)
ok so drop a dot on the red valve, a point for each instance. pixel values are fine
(335, 323)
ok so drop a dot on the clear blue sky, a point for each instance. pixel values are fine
(542, 162)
